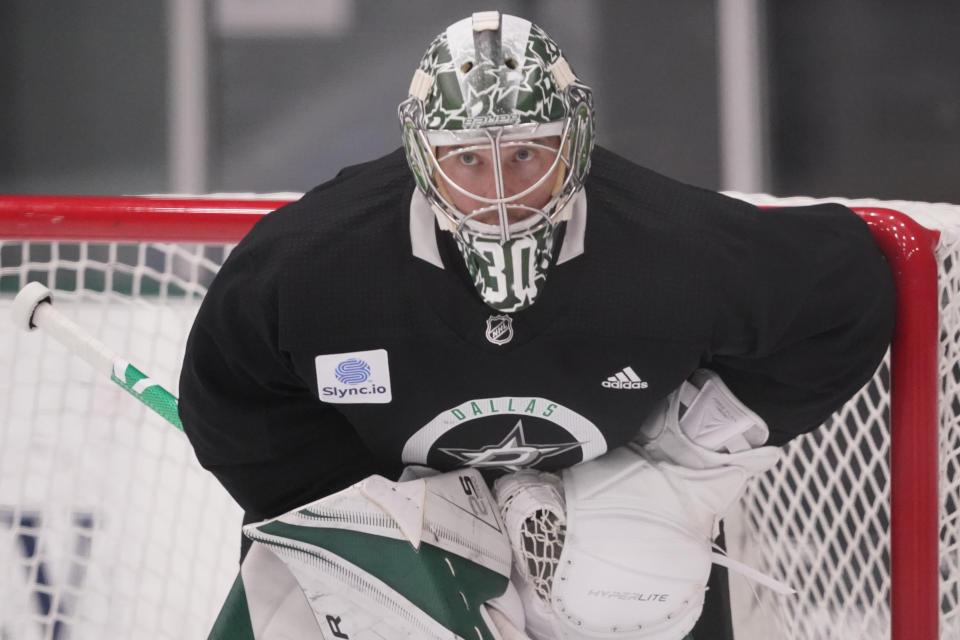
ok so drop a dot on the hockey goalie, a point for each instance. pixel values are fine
(501, 277)
(617, 547)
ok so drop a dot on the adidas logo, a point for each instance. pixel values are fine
(626, 378)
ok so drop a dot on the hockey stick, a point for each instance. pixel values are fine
(33, 308)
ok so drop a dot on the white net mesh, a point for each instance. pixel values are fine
(820, 521)
(109, 527)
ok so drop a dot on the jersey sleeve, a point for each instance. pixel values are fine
(807, 311)
(252, 421)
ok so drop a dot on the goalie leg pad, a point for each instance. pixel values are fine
(424, 559)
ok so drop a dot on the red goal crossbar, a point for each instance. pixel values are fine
(130, 218)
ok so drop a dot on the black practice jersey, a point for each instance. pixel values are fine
(343, 337)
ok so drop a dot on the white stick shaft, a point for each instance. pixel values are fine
(74, 337)
(32, 309)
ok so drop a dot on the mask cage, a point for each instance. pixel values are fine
(576, 143)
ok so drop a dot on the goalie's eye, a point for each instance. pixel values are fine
(468, 159)
(524, 154)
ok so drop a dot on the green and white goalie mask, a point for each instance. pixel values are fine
(498, 133)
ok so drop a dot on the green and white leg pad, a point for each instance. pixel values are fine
(426, 558)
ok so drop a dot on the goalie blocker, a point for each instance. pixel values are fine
(640, 521)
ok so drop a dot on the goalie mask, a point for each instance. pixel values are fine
(498, 134)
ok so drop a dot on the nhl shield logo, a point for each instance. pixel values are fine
(499, 329)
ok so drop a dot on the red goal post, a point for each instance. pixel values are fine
(88, 250)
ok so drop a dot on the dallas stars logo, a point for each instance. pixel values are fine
(510, 454)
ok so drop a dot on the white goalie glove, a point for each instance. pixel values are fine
(422, 559)
(635, 556)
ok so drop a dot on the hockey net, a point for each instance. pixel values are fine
(109, 527)
(822, 520)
